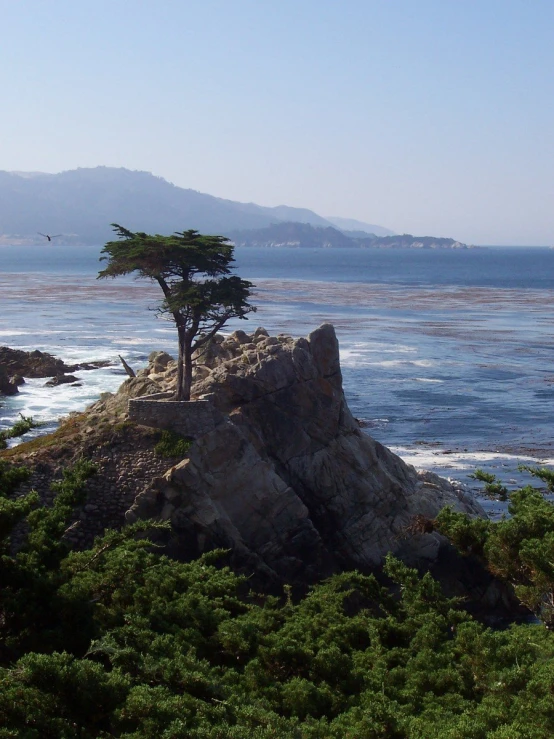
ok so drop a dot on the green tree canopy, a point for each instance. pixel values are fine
(194, 272)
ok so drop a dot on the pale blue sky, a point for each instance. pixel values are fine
(424, 116)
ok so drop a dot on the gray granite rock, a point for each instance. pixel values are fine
(288, 481)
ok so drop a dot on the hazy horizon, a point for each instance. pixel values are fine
(431, 118)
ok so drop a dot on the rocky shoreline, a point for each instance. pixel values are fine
(16, 365)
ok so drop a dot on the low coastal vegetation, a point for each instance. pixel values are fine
(119, 640)
(518, 549)
(492, 488)
(172, 444)
(21, 427)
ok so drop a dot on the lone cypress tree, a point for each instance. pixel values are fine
(193, 271)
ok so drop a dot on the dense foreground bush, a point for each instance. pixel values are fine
(119, 641)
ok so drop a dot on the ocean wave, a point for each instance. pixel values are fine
(402, 363)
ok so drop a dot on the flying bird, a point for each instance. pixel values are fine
(47, 236)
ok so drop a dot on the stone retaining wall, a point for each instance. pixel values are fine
(191, 418)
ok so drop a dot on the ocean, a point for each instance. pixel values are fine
(446, 354)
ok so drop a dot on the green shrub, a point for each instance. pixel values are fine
(518, 549)
(172, 444)
(493, 488)
(543, 473)
(26, 423)
(119, 640)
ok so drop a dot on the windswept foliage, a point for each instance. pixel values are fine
(518, 549)
(25, 423)
(492, 488)
(194, 273)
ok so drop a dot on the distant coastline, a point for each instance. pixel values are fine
(304, 235)
(307, 237)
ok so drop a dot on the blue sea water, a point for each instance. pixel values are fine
(447, 355)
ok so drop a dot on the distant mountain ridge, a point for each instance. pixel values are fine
(317, 237)
(80, 204)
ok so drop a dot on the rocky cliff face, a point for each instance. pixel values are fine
(287, 480)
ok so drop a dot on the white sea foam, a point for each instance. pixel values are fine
(47, 404)
(427, 379)
(365, 356)
(459, 465)
(351, 358)
(379, 347)
(43, 332)
(429, 456)
(134, 342)
(402, 363)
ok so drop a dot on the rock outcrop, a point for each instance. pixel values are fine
(287, 480)
(61, 380)
(31, 364)
(15, 364)
(8, 385)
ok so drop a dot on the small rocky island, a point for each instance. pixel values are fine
(282, 477)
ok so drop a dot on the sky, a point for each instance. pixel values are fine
(430, 117)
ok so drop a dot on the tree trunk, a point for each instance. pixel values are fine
(187, 374)
(180, 366)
